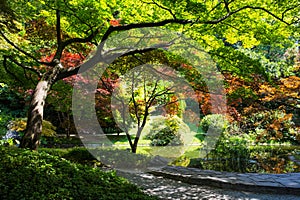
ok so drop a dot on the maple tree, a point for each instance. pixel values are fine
(57, 26)
(134, 94)
(268, 109)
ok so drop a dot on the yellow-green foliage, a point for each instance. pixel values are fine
(49, 130)
(17, 124)
(183, 161)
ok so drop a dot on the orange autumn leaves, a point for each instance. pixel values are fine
(288, 90)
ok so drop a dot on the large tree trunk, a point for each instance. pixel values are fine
(33, 133)
(35, 116)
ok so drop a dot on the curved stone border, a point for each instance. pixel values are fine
(254, 182)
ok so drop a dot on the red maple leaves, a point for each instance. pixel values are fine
(115, 22)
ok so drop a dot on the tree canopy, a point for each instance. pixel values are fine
(37, 36)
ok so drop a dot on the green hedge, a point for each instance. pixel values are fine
(38, 175)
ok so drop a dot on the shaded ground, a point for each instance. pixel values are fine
(176, 190)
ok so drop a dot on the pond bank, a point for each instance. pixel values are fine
(288, 183)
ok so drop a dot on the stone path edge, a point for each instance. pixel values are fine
(218, 179)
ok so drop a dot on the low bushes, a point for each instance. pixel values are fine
(11, 106)
(38, 175)
(78, 155)
(233, 150)
(16, 128)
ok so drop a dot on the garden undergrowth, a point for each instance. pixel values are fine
(25, 174)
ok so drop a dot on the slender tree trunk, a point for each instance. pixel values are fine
(33, 133)
(129, 140)
(139, 131)
(136, 139)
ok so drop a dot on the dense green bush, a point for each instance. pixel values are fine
(60, 142)
(233, 150)
(213, 121)
(167, 131)
(38, 175)
(5, 117)
(76, 155)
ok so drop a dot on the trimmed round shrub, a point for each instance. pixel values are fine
(214, 121)
(167, 131)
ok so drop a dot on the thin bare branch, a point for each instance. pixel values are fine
(288, 9)
(149, 102)
(171, 102)
(215, 7)
(37, 72)
(76, 16)
(230, 13)
(226, 5)
(162, 7)
(134, 101)
(262, 9)
(161, 93)
(106, 86)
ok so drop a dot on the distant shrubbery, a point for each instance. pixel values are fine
(31, 175)
(271, 126)
(214, 121)
(268, 126)
(167, 131)
(239, 143)
(19, 125)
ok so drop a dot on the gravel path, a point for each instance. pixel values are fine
(176, 190)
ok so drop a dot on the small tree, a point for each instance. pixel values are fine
(139, 91)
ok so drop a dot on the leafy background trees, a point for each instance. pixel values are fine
(254, 44)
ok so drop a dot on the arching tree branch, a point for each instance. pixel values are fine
(68, 42)
(22, 51)
(8, 71)
(112, 29)
(230, 13)
(37, 72)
